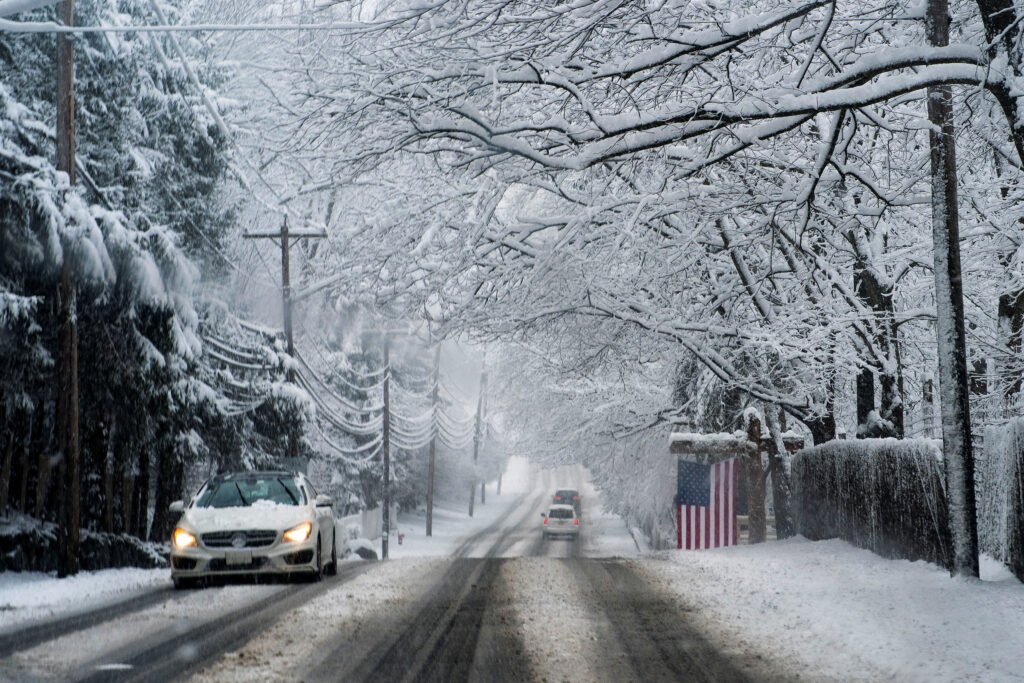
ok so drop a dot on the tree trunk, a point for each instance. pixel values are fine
(108, 478)
(755, 486)
(781, 488)
(141, 504)
(952, 347)
(5, 471)
(823, 428)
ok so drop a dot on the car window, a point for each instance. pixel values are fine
(245, 492)
(559, 513)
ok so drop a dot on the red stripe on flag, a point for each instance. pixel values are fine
(679, 527)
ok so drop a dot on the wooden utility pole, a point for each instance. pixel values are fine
(386, 449)
(958, 456)
(286, 304)
(477, 438)
(433, 442)
(67, 391)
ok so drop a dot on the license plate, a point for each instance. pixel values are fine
(234, 557)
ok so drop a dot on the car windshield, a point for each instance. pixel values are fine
(233, 493)
(560, 513)
(567, 493)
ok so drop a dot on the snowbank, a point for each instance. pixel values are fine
(835, 612)
(29, 596)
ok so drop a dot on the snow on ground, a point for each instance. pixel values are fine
(30, 596)
(64, 658)
(300, 641)
(836, 612)
(560, 636)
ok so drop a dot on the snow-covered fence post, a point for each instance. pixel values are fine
(755, 482)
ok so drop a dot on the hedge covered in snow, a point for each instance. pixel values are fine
(27, 544)
(1000, 486)
(885, 495)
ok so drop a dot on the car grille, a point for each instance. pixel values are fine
(220, 565)
(254, 538)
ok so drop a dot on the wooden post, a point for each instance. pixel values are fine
(286, 307)
(755, 485)
(386, 449)
(67, 402)
(433, 443)
(477, 437)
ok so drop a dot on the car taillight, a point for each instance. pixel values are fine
(575, 497)
(545, 520)
(577, 521)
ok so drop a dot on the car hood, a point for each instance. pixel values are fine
(256, 516)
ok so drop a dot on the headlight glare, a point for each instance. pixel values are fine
(183, 539)
(298, 534)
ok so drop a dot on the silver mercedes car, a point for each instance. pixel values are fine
(254, 523)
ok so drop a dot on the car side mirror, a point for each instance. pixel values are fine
(177, 506)
(323, 501)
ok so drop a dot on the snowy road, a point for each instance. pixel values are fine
(503, 605)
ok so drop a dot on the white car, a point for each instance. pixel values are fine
(253, 523)
(561, 520)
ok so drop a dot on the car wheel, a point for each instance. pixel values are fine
(183, 584)
(332, 568)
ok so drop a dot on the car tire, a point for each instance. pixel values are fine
(319, 573)
(185, 584)
(332, 568)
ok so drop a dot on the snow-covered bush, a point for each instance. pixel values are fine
(885, 495)
(1000, 487)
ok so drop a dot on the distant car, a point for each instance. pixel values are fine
(254, 523)
(561, 520)
(569, 497)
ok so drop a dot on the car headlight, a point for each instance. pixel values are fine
(298, 534)
(183, 539)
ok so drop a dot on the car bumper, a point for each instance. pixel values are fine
(280, 558)
(562, 531)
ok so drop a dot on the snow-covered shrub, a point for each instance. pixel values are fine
(1000, 486)
(885, 495)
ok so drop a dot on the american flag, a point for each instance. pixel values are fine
(705, 501)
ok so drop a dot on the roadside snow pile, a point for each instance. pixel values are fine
(361, 547)
(835, 612)
(28, 596)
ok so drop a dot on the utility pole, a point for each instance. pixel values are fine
(477, 439)
(67, 399)
(433, 443)
(386, 448)
(958, 456)
(286, 304)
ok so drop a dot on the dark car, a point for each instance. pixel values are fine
(568, 497)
